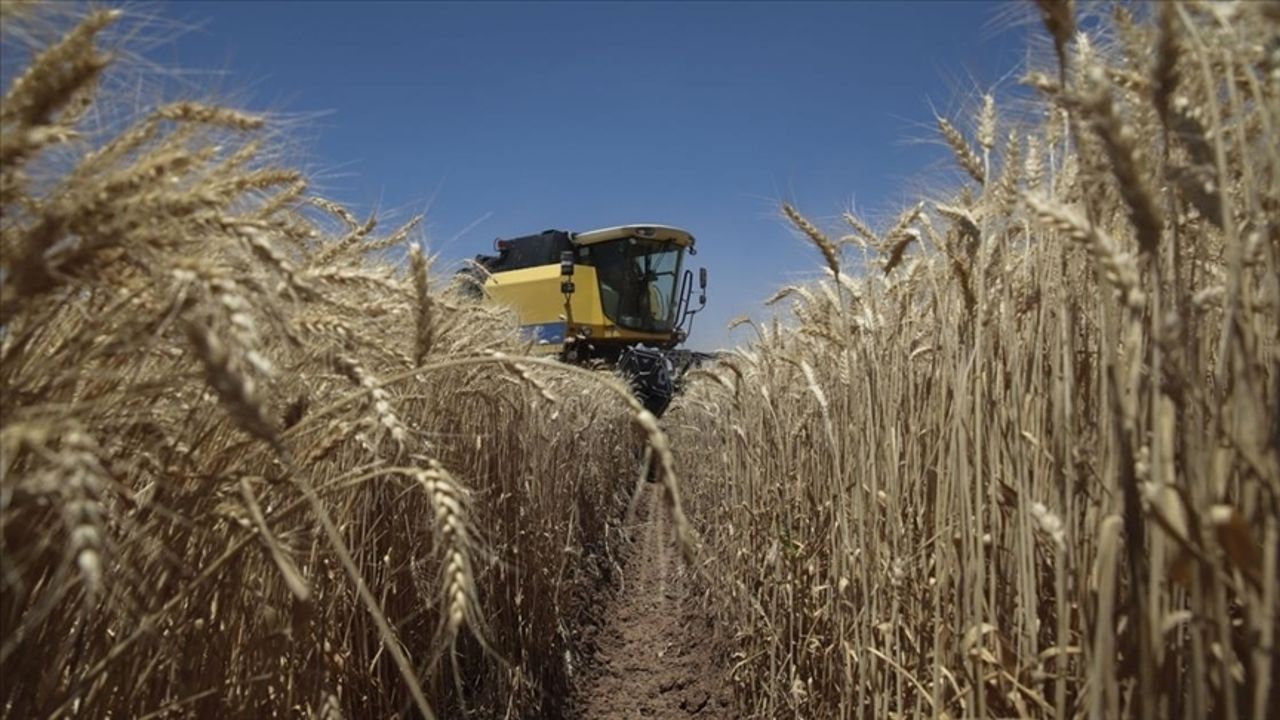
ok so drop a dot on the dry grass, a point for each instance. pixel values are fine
(1032, 469)
(250, 465)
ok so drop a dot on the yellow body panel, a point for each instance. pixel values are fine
(535, 295)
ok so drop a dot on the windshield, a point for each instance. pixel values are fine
(638, 282)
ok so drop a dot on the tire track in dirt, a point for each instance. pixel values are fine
(654, 650)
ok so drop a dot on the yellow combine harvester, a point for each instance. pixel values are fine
(618, 296)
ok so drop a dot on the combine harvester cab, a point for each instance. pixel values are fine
(617, 297)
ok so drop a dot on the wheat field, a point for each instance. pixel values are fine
(1017, 454)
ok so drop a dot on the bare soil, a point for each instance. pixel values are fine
(652, 655)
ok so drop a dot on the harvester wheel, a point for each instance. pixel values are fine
(650, 374)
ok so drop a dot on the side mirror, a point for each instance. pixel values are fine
(566, 272)
(702, 278)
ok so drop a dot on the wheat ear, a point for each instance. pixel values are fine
(828, 249)
(425, 336)
(1121, 147)
(965, 155)
(449, 501)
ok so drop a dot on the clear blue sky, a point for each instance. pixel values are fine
(504, 119)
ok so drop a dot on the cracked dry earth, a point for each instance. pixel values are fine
(654, 651)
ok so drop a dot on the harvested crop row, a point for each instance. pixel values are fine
(1028, 463)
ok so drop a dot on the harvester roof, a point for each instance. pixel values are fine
(544, 248)
(664, 233)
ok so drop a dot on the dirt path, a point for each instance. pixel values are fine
(653, 652)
